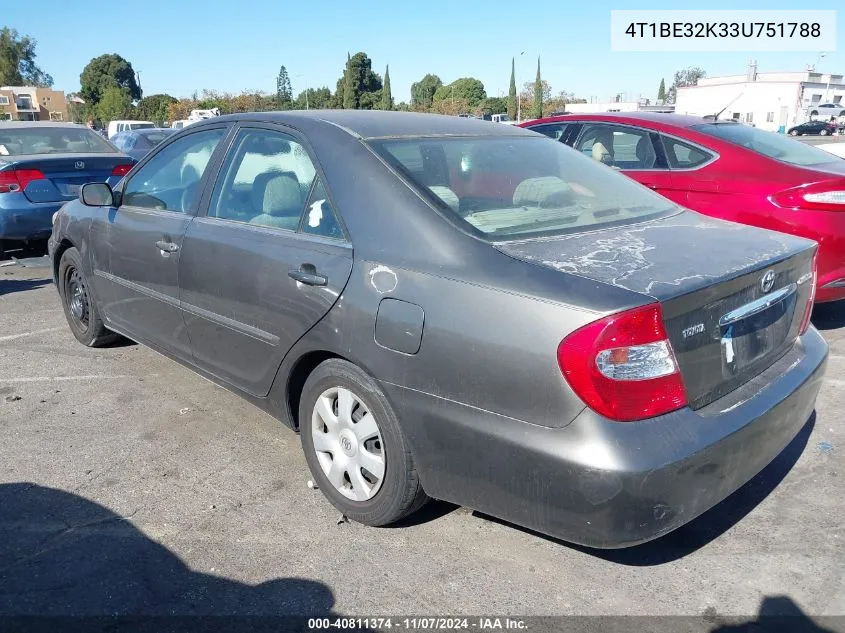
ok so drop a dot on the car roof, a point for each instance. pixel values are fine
(25, 124)
(664, 118)
(373, 124)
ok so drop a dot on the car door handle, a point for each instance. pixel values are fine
(308, 275)
(167, 247)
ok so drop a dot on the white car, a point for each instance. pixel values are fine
(837, 149)
(827, 110)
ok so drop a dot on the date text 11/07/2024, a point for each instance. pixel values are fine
(418, 623)
(724, 29)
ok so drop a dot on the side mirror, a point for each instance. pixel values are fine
(96, 194)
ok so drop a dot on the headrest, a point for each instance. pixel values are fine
(546, 191)
(645, 152)
(449, 197)
(602, 154)
(282, 196)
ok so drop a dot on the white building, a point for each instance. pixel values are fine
(617, 106)
(770, 101)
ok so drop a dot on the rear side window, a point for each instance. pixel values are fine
(683, 155)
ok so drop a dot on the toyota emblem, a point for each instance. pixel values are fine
(79, 164)
(768, 281)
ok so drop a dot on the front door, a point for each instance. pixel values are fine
(265, 263)
(136, 257)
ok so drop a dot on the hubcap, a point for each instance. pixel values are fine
(348, 444)
(77, 295)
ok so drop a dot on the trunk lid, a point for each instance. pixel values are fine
(64, 174)
(733, 296)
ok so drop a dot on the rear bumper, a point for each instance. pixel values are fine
(606, 484)
(27, 220)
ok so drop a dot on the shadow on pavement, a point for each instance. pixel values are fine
(86, 568)
(8, 286)
(829, 316)
(708, 526)
(777, 614)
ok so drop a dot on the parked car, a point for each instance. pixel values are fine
(726, 170)
(42, 166)
(138, 143)
(828, 109)
(823, 128)
(520, 330)
(115, 127)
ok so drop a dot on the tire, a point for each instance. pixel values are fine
(81, 311)
(361, 495)
(824, 132)
(793, 133)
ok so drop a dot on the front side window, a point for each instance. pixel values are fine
(768, 144)
(552, 130)
(52, 140)
(619, 146)
(170, 180)
(265, 180)
(507, 187)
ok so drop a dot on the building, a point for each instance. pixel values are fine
(26, 103)
(772, 101)
(643, 105)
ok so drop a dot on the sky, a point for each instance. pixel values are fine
(180, 47)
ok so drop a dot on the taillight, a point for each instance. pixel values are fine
(808, 309)
(623, 365)
(828, 195)
(17, 179)
(121, 170)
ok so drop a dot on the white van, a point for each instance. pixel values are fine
(125, 126)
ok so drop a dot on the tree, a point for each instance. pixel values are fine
(17, 61)
(492, 105)
(450, 106)
(154, 108)
(537, 110)
(512, 93)
(114, 104)
(318, 98)
(661, 91)
(686, 77)
(468, 89)
(422, 91)
(358, 79)
(284, 94)
(402, 107)
(386, 96)
(108, 71)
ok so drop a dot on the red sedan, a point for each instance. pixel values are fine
(727, 170)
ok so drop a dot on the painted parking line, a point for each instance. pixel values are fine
(14, 337)
(66, 378)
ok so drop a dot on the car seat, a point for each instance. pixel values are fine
(645, 153)
(281, 202)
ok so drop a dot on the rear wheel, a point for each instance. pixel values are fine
(824, 132)
(81, 311)
(354, 446)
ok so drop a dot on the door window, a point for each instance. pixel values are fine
(170, 180)
(552, 130)
(619, 146)
(684, 156)
(265, 180)
(319, 217)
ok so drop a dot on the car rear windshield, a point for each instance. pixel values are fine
(52, 140)
(769, 144)
(155, 138)
(520, 187)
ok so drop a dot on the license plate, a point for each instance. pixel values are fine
(749, 340)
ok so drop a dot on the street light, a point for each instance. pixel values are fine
(306, 90)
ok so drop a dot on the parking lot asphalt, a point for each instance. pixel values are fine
(130, 484)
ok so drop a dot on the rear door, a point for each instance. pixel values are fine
(265, 263)
(136, 249)
(635, 151)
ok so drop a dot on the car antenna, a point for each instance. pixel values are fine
(716, 116)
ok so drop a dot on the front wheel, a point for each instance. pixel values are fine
(793, 133)
(824, 132)
(81, 311)
(354, 446)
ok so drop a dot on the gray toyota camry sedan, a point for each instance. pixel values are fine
(448, 308)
